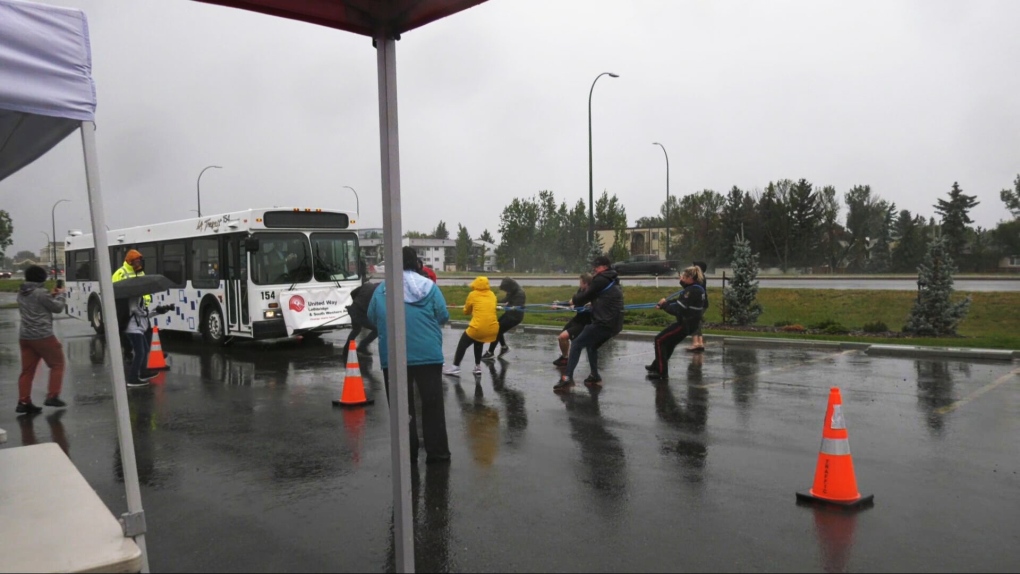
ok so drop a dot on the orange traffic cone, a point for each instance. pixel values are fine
(835, 482)
(353, 394)
(157, 361)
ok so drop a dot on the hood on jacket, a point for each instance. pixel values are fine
(416, 287)
(481, 283)
(29, 286)
(509, 285)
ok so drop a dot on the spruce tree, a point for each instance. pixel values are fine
(934, 314)
(742, 307)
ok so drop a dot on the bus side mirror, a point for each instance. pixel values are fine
(251, 244)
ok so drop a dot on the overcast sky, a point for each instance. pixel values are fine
(907, 97)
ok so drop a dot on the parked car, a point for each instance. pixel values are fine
(645, 265)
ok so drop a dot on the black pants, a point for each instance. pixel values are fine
(592, 337)
(356, 328)
(506, 322)
(665, 342)
(429, 379)
(465, 342)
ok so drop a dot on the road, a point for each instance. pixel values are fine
(961, 285)
(246, 466)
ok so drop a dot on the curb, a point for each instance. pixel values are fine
(867, 348)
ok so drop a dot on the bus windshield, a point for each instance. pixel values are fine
(335, 256)
(281, 258)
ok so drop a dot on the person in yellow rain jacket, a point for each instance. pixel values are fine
(134, 266)
(484, 326)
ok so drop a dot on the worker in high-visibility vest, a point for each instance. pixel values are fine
(134, 266)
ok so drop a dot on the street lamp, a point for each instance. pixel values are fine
(591, 193)
(356, 199)
(667, 196)
(48, 243)
(53, 228)
(198, 186)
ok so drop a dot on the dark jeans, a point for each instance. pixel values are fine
(591, 338)
(356, 328)
(506, 322)
(429, 379)
(665, 342)
(139, 355)
(465, 342)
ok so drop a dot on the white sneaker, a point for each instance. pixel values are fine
(478, 370)
(452, 370)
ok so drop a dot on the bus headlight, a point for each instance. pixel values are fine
(272, 313)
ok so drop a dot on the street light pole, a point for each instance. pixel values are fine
(356, 199)
(198, 186)
(667, 196)
(53, 228)
(48, 242)
(591, 191)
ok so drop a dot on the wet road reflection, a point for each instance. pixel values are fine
(513, 403)
(603, 462)
(246, 465)
(481, 423)
(690, 418)
(834, 530)
(26, 424)
(935, 390)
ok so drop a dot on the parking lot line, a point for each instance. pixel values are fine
(996, 383)
(778, 369)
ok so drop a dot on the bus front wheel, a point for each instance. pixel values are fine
(212, 326)
(96, 316)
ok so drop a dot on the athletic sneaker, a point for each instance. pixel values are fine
(452, 370)
(54, 402)
(504, 350)
(593, 379)
(137, 384)
(563, 386)
(27, 408)
(488, 356)
(561, 362)
(478, 370)
(147, 376)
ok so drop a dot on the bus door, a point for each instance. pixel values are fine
(238, 318)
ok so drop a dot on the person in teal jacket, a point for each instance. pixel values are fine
(425, 312)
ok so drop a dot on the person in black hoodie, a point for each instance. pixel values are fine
(511, 317)
(688, 308)
(606, 298)
(358, 310)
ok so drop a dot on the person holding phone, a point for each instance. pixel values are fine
(36, 306)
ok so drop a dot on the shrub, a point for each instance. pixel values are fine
(835, 329)
(824, 325)
(875, 327)
(793, 328)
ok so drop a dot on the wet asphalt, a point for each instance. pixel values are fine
(246, 466)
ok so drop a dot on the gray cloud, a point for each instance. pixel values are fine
(905, 96)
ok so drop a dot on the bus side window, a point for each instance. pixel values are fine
(172, 262)
(205, 262)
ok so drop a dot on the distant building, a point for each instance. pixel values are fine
(640, 240)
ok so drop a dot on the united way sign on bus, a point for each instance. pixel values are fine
(307, 309)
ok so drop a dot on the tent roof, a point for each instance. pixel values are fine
(366, 17)
(46, 87)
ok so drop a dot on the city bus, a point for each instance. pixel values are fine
(253, 274)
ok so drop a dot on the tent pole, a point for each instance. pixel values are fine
(400, 448)
(134, 520)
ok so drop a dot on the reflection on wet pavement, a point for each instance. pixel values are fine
(245, 464)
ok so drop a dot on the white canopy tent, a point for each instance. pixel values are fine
(46, 93)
